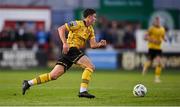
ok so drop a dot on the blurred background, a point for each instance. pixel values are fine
(29, 37)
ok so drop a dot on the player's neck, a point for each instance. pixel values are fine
(157, 26)
(86, 22)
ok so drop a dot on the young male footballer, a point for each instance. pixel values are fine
(155, 35)
(78, 33)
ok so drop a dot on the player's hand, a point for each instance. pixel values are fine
(65, 48)
(102, 43)
(154, 41)
(157, 42)
(165, 39)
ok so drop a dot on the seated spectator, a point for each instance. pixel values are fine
(42, 38)
(129, 39)
(113, 33)
(7, 37)
(20, 35)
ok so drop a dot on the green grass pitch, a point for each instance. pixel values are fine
(112, 88)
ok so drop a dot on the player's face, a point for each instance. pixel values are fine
(157, 22)
(92, 18)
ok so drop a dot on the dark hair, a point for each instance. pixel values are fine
(88, 12)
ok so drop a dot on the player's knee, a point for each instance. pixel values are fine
(55, 76)
(157, 63)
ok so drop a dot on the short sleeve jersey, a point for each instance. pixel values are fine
(79, 33)
(156, 33)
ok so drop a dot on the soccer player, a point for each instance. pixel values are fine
(78, 33)
(155, 35)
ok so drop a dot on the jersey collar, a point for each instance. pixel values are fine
(85, 23)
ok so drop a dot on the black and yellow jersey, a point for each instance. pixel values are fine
(156, 33)
(79, 33)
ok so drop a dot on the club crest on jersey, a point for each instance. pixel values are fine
(72, 23)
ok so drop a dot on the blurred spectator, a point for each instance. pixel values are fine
(120, 35)
(113, 33)
(20, 34)
(129, 38)
(106, 32)
(55, 44)
(103, 31)
(30, 35)
(30, 39)
(7, 37)
(42, 38)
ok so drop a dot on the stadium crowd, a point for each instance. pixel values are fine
(119, 35)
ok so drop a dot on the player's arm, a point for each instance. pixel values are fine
(61, 30)
(149, 39)
(164, 36)
(147, 35)
(94, 44)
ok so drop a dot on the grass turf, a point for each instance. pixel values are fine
(112, 88)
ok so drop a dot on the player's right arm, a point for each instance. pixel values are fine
(70, 26)
(149, 39)
(147, 35)
(61, 30)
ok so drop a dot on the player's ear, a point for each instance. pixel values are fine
(89, 17)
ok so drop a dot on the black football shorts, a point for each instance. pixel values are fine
(153, 53)
(67, 60)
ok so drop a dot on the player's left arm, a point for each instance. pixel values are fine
(164, 36)
(94, 44)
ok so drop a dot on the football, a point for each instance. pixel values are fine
(139, 90)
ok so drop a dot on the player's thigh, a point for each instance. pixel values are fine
(57, 71)
(85, 62)
(158, 55)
